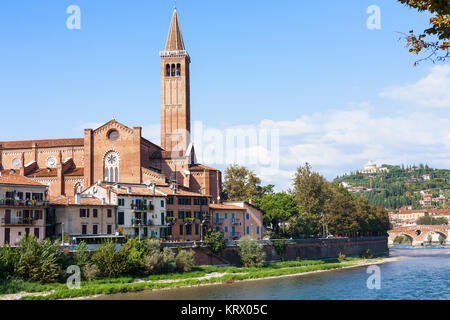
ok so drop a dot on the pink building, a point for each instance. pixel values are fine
(237, 219)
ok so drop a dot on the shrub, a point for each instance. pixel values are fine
(280, 247)
(215, 242)
(110, 262)
(152, 246)
(168, 261)
(90, 272)
(185, 260)
(366, 254)
(8, 261)
(81, 256)
(38, 261)
(251, 254)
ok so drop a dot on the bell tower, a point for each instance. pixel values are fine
(175, 91)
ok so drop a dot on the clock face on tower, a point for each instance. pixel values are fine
(51, 162)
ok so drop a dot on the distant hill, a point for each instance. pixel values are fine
(401, 186)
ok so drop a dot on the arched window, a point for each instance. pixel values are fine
(173, 70)
(167, 70)
(112, 167)
(178, 70)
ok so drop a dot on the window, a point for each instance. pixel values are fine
(112, 167)
(95, 229)
(233, 217)
(84, 213)
(226, 229)
(247, 216)
(109, 229)
(95, 213)
(178, 70)
(188, 214)
(197, 228)
(248, 230)
(121, 218)
(83, 229)
(180, 214)
(257, 230)
(172, 70)
(184, 201)
(170, 200)
(145, 232)
(217, 217)
(162, 203)
(169, 231)
(226, 216)
(204, 201)
(36, 233)
(121, 202)
(167, 70)
(113, 135)
(109, 213)
(181, 229)
(233, 231)
(170, 213)
(188, 229)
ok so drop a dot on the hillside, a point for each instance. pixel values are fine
(400, 186)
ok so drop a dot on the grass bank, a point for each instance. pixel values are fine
(203, 275)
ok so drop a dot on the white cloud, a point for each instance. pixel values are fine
(433, 91)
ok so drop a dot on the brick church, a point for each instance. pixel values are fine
(115, 153)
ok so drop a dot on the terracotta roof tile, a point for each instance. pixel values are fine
(42, 143)
(219, 206)
(15, 179)
(65, 201)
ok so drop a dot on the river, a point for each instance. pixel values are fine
(422, 273)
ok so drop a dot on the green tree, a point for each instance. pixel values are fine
(241, 184)
(280, 246)
(215, 241)
(438, 47)
(278, 208)
(251, 253)
(441, 239)
(311, 192)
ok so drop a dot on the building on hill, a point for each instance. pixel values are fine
(117, 154)
(23, 203)
(371, 168)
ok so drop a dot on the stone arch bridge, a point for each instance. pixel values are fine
(419, 234)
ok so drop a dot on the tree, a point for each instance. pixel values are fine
(251, 253)
(241, 184)
(438, 47)
(311, 192)
(430, 239)
(215, 242)
(278, 208)
(280, 247)
(441, 239)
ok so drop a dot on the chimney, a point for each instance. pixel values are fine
(78, 198)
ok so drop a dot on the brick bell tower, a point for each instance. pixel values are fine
(175, 91)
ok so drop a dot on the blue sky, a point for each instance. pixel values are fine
(277, 64)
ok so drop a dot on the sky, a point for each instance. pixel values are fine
(335, 93)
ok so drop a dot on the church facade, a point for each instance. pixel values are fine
(119, 160)
(115, 153)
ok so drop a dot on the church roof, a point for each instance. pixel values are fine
(175, 39)
(51, 143)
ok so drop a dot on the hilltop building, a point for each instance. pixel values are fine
(371, 168)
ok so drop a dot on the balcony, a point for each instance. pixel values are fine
(18, 222)
(142, 207)
(171, 220)
(219, 221)
(23, 203)
(141, 222)
(189, 220)
(235, 221)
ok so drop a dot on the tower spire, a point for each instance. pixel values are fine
(175, 39)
